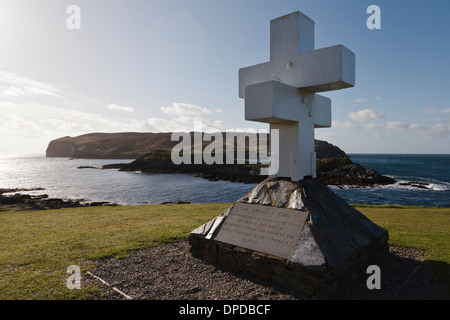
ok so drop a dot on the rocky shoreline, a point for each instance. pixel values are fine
(152, 152)
(16, 200)
(336, 171)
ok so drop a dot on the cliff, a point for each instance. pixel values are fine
(124, 145)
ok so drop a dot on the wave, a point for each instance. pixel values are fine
(439, 187)
(401, 184)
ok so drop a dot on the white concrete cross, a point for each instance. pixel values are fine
(282, 91)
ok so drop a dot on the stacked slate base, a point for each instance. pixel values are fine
(333, 245)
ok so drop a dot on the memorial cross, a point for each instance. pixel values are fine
(281, 92)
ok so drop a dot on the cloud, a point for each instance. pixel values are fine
(384, 135)
(6, 104)
(50, 118)
(360, 100)
(32, 113)
(397, 126)
(343, 125)
(12, 85)
(434, 111)
(185, 109)
(437, 130)
(186, 117)
(366, 115)
(120, 108)
(13, 123)
(349, 125)
(372, 126)
(32, 124)
(185, 124)
(326, 135)
(14, 92)
(221, 123)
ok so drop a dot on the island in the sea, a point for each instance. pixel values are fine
(152, 152)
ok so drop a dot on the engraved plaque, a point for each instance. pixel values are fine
(260, 228)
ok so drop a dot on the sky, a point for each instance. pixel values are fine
(162, 65)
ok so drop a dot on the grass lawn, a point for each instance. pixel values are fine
(36, 247)
(417, 227)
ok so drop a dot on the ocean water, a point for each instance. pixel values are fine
(59, 177)
(425, 168)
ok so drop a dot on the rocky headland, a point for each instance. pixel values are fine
(340, 171)
(152, 154)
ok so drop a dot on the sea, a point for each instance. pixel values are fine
(62, 178)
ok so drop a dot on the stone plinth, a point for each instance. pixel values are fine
(300, 235)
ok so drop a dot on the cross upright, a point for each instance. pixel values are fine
(282, 92)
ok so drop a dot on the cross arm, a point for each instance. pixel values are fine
(326, 69)
(276, 102)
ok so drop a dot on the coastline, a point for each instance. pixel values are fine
(332, 171)
(93, 186)
(15, 200)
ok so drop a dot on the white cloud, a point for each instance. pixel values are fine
(343, 125)
(13, 123)
(185, 124)
(366, 115)
(437, 130)
(13, 85)
(14, 92)
(33, 113)
(384, 135)
(349, 125)
(372, 126)
(185, 118)
(120, 108)
(360, 100)
(185, 109)
(397, 126)
(434, 111)
(6, 104)
(221, 123)
(33, 125)
(326, 135)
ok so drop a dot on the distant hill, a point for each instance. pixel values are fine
(133, 145)
(124, 145)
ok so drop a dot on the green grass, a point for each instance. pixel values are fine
(36, 247)
(418, 227)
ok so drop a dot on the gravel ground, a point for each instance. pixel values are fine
(170, 272)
